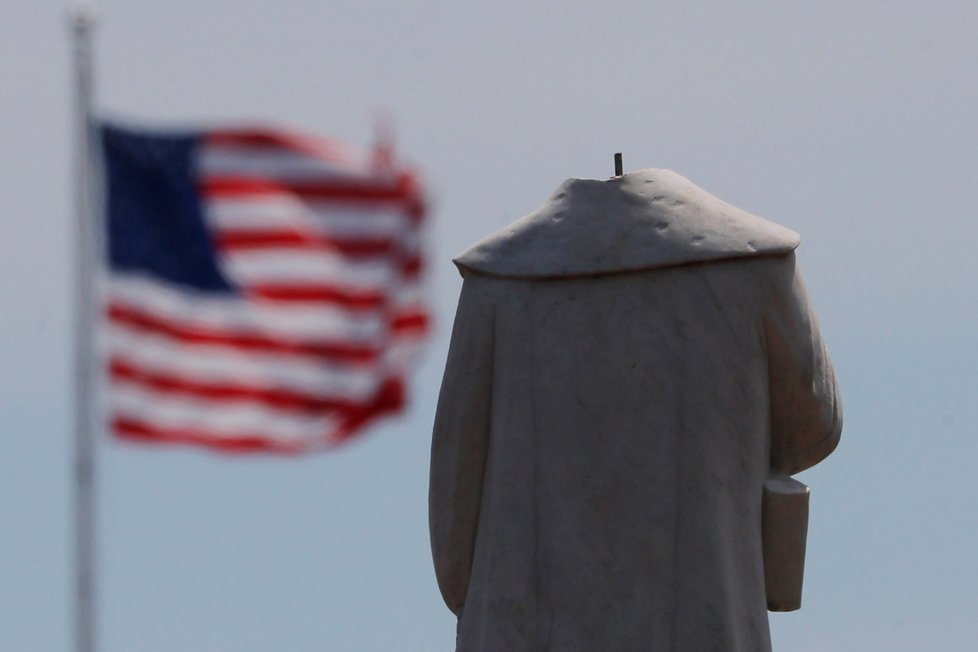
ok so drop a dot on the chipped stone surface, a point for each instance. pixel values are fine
(606, 423)
(641, 220)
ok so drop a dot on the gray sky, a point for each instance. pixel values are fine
(851, 123)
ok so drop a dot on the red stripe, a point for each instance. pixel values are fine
(236, 240)
(412, 267)
(389, 399)
(318, 294)
(413, 321)
(278, 139)
(138, 431)
(254, 137)
(247, 186)
(278, 399)
(149, 323)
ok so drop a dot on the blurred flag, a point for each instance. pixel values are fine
(262, 291)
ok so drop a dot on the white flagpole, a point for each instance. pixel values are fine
(82, 23)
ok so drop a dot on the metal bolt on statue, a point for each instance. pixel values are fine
(634, 374)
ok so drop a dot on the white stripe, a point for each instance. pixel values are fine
(404, 356)
(335, 152)
(235, 315)
(250, 266)
(407, 295)
(221, 419)
(284, 164)
(410, 241)
(216, 364)
(285, 211)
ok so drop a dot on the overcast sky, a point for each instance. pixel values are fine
(851, 123)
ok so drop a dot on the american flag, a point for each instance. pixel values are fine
(262, 288)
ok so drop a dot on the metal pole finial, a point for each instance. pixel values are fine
(82, 17)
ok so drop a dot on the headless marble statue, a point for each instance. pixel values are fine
(634, 373)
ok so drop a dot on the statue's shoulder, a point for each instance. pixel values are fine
(642, 220)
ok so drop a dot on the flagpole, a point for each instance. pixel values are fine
(82, 23)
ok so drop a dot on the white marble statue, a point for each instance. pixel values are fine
(629, 365)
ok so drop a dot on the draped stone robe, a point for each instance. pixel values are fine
(627, 365)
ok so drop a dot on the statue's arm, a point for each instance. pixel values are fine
(460, 441)
(806, 412)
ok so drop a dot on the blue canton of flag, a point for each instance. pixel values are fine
(263, 288)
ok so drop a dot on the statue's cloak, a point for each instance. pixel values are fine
(627, 364)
